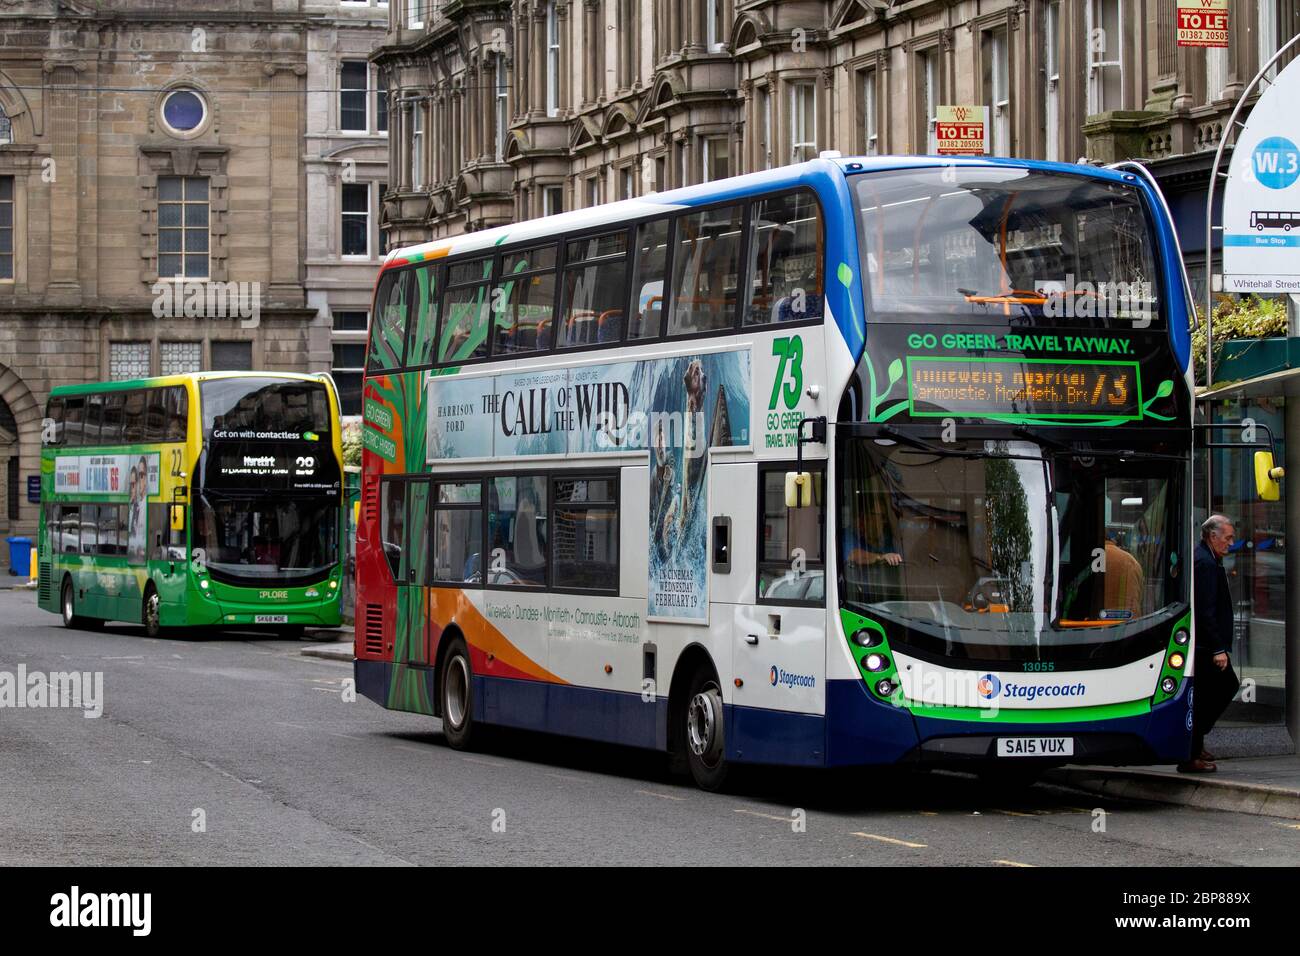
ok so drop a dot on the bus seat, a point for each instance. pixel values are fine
(609, 327)
(544, 334)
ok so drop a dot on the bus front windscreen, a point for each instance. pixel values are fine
(1014, 552)
(267, 503)
(271, 540)
(256, 408)
(999, 243)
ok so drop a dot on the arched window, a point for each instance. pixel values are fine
(6, 127)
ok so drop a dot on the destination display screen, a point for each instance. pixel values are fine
(288, 466)
(979, 387)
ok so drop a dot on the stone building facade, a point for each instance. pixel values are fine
(508, 110)
(346, 169)
(146, 140)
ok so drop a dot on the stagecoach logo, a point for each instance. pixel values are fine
(778, 676)
(989, 686)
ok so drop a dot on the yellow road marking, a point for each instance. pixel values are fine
(1029, 866)
(885, 839)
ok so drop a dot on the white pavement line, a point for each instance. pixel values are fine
(329, 690)
(285, 723)
(661, 796)
(1028, 866)
(766, 816)
(885, 839)
(1290, 826)
(335, 733)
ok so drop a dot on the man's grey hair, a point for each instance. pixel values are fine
(1213, 525)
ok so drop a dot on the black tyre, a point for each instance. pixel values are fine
(69, 615)
(701, 735)
(151, 612)
(456, 697)
(69, 610)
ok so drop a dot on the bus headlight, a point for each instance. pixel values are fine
(203, 583)
(333, 585)
(1168, 684)
(1181, 638)
(1176, 661)
(884, 687)
(867, 638)
(875, 662)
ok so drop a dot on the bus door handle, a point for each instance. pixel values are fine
(751, 640)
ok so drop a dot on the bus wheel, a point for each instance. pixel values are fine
(70, 619)
(703, 733)
(456, 692)
(151, 612)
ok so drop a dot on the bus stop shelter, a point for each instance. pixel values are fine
(1265, 585)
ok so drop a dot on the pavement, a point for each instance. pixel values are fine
(8, 581)
(1266, 784)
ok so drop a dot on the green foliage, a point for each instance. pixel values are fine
(1250, 318)
(352, 443)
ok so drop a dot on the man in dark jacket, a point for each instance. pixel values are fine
(1215, 681)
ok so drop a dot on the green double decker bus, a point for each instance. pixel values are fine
(206, 499)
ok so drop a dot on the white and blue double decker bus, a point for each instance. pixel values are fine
(858, 461)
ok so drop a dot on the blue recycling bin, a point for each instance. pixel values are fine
(20, 556)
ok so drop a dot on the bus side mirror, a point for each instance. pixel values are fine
(1267, 476)
(798, 489)
(177, 517)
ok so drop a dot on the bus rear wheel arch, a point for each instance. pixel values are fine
(697, 721)
(68, 608)
(456, 694)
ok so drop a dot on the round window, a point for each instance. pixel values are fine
(184, 111)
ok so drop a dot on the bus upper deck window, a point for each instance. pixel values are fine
(706, 263)
(93, 419)
(786, 260)
(388, 330)
(178, 405)
(594, 290)
(424, 331)
(648, 285)
(465, 311)
(133, 406)
(155, 416)
(73, 412)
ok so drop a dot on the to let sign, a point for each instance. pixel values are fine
(1203, 23)
(961, 130)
